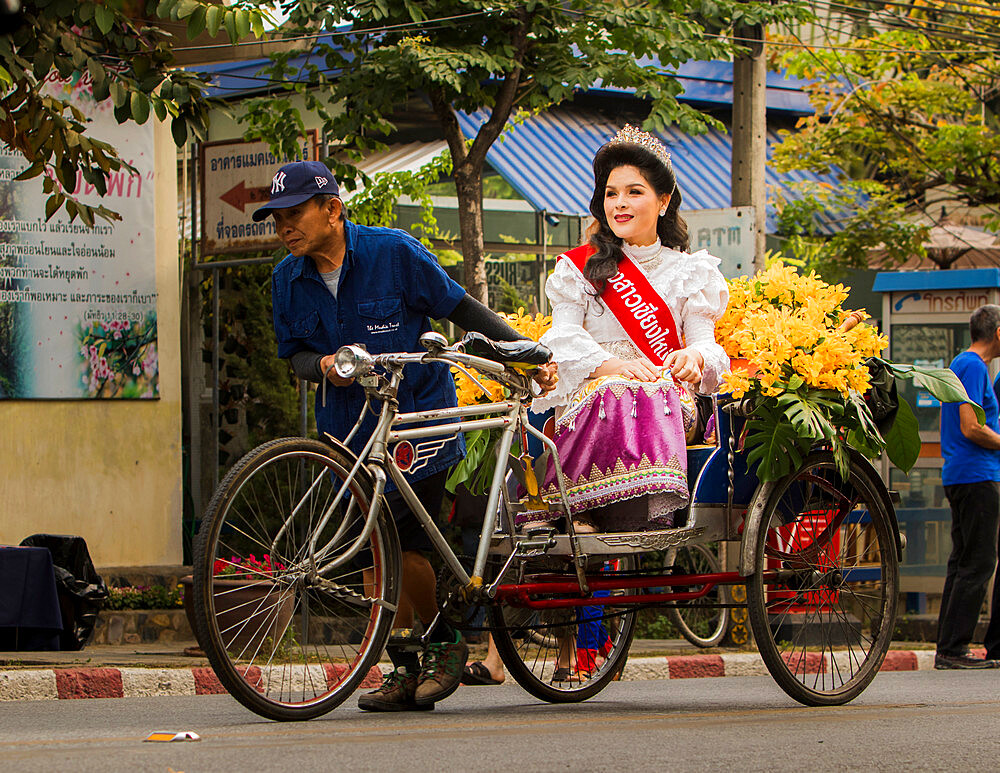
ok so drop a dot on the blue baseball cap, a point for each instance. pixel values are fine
(297, 182)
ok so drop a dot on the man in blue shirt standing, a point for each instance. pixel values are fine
(970, 475)
(349, 284)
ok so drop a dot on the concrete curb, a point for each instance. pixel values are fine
(78, 683)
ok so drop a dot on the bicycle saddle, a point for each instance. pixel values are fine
(526, 353)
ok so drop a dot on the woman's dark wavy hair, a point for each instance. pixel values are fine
(671, 228)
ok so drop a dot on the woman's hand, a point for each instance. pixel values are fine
(332, 377)
(686, 364)
(546, 376)
(640, 369)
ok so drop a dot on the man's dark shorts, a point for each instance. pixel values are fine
(430, 492)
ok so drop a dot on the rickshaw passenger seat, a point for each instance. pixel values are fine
(696, 457)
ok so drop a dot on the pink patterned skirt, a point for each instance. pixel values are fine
(620, 440)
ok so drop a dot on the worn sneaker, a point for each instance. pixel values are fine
(442, 670)
(944, 662)
(395, 694)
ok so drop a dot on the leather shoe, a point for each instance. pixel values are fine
(943, 662)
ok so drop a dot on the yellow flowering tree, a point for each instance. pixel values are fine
(806, 365)
(476, 469)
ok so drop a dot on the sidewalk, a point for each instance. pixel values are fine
(144, 670)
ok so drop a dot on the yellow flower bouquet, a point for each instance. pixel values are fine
(807, 365)
(476, 469)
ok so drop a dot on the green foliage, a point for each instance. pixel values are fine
(869, 217)
(498, 56)
(902, 439)
(476, 469)
(899, 438)
(910, 104)
(510, 299)
(655, 624)
(143, 597)
(781, 430)
(256, 386)
(116, 50)
(774, 443)
(375, 205)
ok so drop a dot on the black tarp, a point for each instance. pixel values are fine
(82, 592)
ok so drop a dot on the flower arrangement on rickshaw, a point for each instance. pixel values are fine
(476, 469)
(807, 366)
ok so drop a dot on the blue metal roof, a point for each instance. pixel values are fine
(711, 83)
(235, 80)
(548, 160)
(955, 279)
(706, 83)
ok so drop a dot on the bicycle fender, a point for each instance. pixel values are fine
(755, 514)
(352, 457)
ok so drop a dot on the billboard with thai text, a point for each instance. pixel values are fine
(78, 304)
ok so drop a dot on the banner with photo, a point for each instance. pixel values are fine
(78, 304)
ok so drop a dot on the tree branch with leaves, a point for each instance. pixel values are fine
(376, 59)
(116, 50)
(908, 104)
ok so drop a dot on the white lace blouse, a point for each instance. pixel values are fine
(585, 333)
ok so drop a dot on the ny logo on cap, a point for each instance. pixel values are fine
(320, 181)
(278, 183)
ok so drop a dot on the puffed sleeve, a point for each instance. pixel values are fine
(706, 301)
(573, 348)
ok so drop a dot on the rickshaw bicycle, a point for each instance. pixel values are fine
(297, 563)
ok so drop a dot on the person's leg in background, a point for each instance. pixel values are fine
(992, 640)
(975, 517)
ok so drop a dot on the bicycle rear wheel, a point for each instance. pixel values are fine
(287, 638)
(698, 621)
(565, 655)
(824, 626)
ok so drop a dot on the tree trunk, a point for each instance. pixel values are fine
(469, 185)
(468, 162)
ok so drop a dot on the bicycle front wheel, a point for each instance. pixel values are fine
(289, 636)
(824, 616)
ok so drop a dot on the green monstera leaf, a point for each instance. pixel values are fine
(940, 382)
(774, 443)
(902, 441)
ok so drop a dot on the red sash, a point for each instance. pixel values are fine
(636, 305)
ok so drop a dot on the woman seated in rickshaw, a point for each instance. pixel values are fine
(633, 329)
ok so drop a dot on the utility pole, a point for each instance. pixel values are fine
(747, 189)
(750, 132)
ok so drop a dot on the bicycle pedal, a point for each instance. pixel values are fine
(406, 640)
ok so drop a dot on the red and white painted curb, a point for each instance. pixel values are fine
(75, 683)
(751, 664)
(72, 683)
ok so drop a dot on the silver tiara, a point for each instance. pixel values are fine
(635, 136)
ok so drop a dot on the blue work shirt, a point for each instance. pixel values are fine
(389, 286)
(964, 461)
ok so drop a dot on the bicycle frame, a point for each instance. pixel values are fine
(510, 416)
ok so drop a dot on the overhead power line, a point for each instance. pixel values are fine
(417, 26)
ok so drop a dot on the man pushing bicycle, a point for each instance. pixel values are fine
(344, 283)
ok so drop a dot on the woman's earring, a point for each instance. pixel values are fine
(663, 212)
